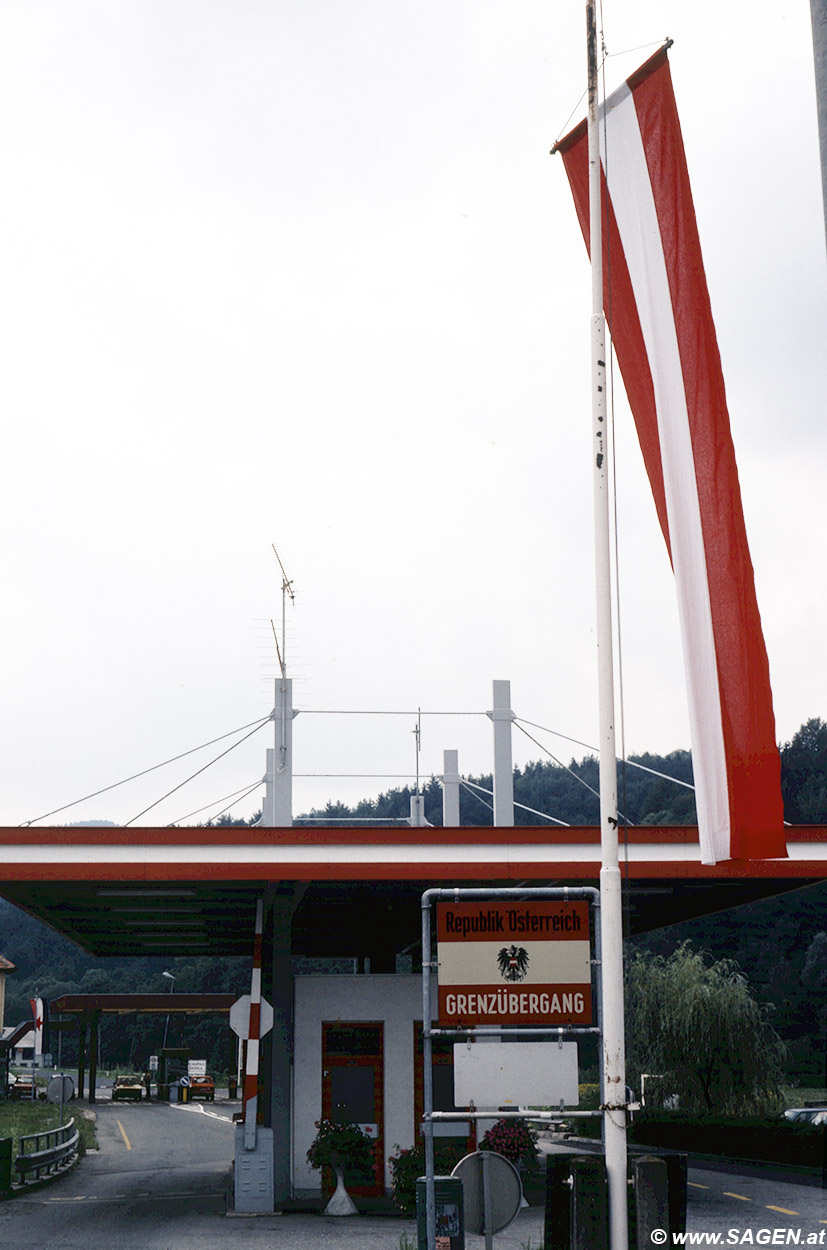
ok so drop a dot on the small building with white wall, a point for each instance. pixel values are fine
(358, 1056)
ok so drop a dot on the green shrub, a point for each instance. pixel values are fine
(766, 1138)
(409, 1164)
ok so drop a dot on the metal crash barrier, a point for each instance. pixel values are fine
(46, 1152)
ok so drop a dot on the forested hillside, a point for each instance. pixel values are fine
(781, 944)
(566, 793)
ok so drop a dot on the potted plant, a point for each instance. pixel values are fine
(340, 1146)
(517, 1141)
(513, 1138)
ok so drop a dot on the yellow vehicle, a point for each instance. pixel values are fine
(131, 1086)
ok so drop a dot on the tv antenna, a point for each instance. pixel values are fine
(286, 590)
(417, 733)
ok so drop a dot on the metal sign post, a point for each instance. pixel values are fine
(492, 1193)
(487, 1219)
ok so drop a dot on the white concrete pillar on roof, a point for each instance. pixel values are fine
(417, 817)
(502, 716)
(450, 789)
(277, 812)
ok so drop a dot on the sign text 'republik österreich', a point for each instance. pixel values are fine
(514, 963)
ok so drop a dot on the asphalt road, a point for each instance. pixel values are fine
(744, 1200)
(161, 1177)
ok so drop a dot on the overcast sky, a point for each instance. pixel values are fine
(303, 272)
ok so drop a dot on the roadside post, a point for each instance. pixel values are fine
(6, 1144)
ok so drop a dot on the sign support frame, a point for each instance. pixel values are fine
(518, 894)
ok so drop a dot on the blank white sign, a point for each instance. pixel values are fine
(519, 1074)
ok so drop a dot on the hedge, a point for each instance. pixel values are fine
(765, 1138)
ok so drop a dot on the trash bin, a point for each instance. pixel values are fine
(233, 1087)
(450, 1224)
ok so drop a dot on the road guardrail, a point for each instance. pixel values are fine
(42, 1154)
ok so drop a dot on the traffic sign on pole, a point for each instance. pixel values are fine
(240, 1017)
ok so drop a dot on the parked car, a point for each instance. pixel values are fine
(131, 1086)
(23, 1086)
(806, 1115)
(202, 1087)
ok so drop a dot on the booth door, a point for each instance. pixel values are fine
(352, 1092)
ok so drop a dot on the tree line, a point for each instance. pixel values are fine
(568, 792)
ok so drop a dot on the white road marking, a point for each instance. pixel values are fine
(202, 1110)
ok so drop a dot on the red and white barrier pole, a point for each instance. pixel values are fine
(251, 1069)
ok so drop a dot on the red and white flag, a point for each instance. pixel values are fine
(36, 1005)
(658, 309)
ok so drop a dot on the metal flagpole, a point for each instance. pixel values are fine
(614, 1051)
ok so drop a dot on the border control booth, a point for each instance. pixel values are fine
(341, 948)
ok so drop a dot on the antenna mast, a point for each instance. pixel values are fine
(286, 589)
(277, 811)
(417, 732)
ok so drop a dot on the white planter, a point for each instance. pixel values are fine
(341, 1202)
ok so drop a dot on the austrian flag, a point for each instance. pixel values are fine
(660, 319)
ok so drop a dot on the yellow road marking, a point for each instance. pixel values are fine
(695, 1185)
(123, 1135)
(743, 1197)
(783, 1210)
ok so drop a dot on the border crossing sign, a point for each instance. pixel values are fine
(514, 963)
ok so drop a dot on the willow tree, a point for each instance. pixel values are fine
(695, 1024)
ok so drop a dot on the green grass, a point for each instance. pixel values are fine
(795, 1097)
(18, 1119)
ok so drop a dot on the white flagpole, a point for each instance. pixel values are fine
(614, 1050)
